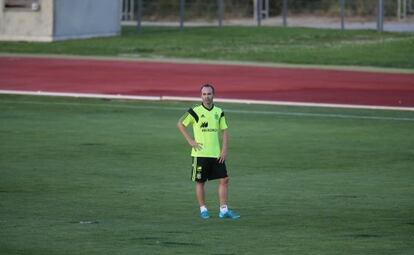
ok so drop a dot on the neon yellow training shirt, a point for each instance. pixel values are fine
(206, 128)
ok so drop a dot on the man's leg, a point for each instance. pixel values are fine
(201, 200)
(200, 193)
(222, 190)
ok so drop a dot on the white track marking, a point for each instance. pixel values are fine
(286, 103)
(276, 113)
(196, 99)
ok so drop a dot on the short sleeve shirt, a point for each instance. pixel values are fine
(207, 124)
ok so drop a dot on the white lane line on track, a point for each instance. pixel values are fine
(276, 113)
(196, 99)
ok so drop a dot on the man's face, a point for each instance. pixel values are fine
(207, 95)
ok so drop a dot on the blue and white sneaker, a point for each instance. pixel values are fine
(229, 214)
(204, 215)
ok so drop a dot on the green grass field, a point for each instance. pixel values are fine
(305, 180)
(264, 44)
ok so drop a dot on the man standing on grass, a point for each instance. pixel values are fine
(208, 160)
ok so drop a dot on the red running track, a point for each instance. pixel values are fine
(231, 81)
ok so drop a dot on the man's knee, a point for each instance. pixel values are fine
(200, 184)
(224, 181)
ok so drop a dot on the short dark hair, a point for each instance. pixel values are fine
(208, 86)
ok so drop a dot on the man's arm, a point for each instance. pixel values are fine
(194, 144)
(223, 153)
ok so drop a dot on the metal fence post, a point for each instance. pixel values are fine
(127, 10)
(123, 11)
(182, 13)
(139, 15)
(399, 10)
(266, 9)
(402, 9)
(405, 9)
(131, 10)
(342, 5)
(285, 12)
(220, 7)
(380, 18)
(259, 12)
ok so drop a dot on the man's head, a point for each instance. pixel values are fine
(207, 94)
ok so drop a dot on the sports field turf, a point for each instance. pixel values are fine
(82, 176)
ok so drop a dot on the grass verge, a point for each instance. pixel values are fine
(264, 44)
